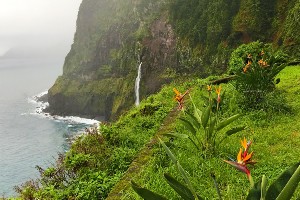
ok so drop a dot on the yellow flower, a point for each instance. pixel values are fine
(262, 63)
(209, 88)
(244, 143)
(218, 91)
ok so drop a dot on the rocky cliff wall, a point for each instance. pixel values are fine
(171, 38)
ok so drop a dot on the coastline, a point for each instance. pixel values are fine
(41, 102)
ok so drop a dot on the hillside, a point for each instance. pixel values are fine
(100, 166)
(171, 38)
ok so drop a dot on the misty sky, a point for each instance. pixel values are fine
(34, 24)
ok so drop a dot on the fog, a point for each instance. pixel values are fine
(30, 28)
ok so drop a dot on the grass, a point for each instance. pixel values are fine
(275, 134)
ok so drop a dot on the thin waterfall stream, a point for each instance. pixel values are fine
(137, 86)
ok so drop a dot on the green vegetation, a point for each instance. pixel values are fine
(256, 65)
(194, 37)
(204, 126)
(177, 41)
(97, 162)
(274, 133)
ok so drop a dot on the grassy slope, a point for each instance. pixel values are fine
(99, 166)
(275, 135)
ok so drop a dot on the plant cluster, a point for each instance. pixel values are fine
(204, 126)
(256, 67)
(281, 189)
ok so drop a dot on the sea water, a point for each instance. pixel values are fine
(28, 137)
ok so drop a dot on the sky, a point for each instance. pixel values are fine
(37, 26)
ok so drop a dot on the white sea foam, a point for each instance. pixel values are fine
(41, 106)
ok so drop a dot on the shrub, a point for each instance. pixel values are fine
(256, 66)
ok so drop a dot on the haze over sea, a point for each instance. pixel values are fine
(28, 139)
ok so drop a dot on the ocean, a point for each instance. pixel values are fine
(27, 137)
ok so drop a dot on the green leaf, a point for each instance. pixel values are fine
(179, 167)
(145, 193)
(235, 130)
(212, 126)
(188, 126)
(227, 121)
(170, 154)
(255, 192)
(278, 185)
(264, 183)
(193, 120)
(176, 135)
(186, 179)
(197, 114)
(205, 116)
(181, 189)
(290, 187)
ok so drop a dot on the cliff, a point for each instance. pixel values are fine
(171, 38)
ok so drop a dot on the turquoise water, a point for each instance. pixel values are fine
(26, 138)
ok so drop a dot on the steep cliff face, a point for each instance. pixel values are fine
(170, 38)
(112, 37)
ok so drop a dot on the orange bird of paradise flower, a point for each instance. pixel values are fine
(179, 97)
(209, 88)
(218, 91)
(243, 158)
(245, 69)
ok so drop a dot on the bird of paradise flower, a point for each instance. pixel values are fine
(243, 159)
(179, 98)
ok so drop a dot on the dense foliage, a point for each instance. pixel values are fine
(97, 161)
(256, 65)
(170, 37)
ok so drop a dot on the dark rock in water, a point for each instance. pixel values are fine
(43, 98)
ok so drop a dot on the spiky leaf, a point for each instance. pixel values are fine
(181, 189)
(264, 183)
(205, 116)
(188, 125)
(235, 130)
(212, 126)
(176, 135)
(145, 193)
(255, 192)
(194, 120)
(278, 185)
(290, 187)
(197, 114)
(227, 121)
(170, 154)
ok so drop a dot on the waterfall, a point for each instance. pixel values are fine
(137, 86)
